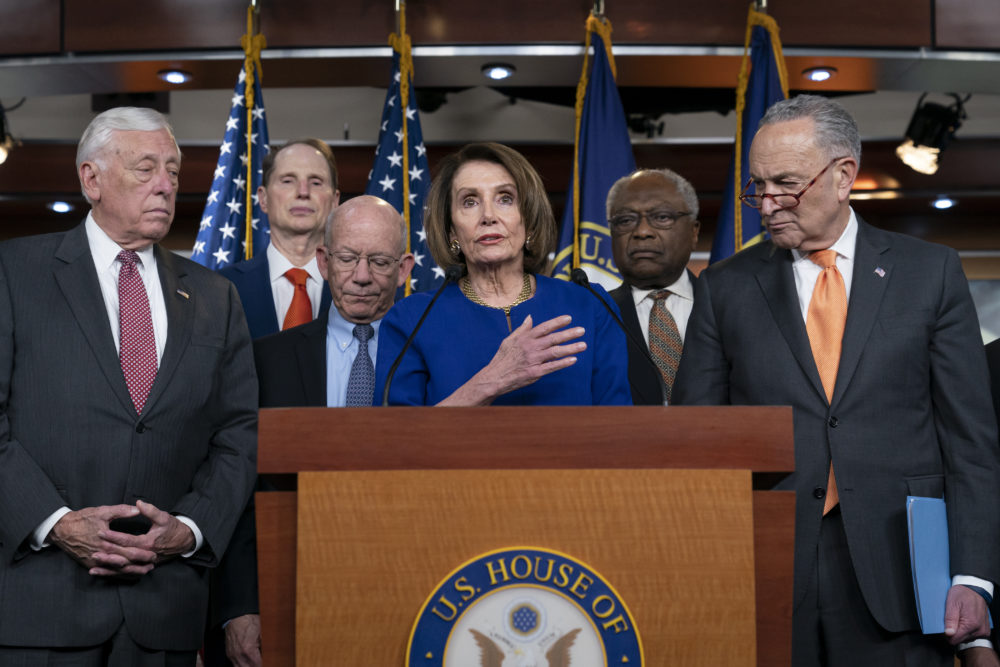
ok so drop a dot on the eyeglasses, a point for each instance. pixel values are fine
(783, 199)
(623, 223)
(382, 265)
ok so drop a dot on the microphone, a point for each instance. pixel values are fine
(579, 276)
(451, 275)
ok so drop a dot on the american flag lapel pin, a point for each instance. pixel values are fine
(880, 272)
(183, 294)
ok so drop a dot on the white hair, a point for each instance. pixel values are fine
(99, 133)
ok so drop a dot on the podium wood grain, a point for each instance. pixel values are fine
(676, 545)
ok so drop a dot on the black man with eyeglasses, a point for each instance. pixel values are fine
(653, 217)
(873, 339)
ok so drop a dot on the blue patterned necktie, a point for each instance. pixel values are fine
(361, 383)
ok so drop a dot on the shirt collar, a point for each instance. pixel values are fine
(342, 331)
(844, 246)
(105, 251)
(682, 287)
(278, 264)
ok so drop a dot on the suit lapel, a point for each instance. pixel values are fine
(777, 281)
(872, 272)
(77, 279)
(310, 352)
(180, 321)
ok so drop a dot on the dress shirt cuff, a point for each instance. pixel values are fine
(199, 539)
(969, 580)
(984, 643)
(39, 538)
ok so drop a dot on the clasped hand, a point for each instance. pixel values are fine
(86, 535)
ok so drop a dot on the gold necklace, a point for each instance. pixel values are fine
(471, 295)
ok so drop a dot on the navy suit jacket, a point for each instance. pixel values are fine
(642, 375)
(70, 436)
(910, 413)
(253, 282)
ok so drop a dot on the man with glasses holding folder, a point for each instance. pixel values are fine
(873, 339)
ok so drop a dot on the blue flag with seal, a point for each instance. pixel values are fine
(602, 155)
(762, 82)
(400, 174)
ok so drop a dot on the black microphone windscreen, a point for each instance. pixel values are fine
(453, 273)
(579, 276)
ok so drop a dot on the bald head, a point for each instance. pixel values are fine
(364, 258)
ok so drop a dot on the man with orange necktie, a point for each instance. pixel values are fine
(873, 339)
(283, 287)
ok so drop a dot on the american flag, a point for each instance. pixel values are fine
(386, 177)
(220, 239)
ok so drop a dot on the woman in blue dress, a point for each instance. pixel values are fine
(504, 334)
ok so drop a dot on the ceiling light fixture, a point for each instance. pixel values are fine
(943, 203)
(931, 128)
(174, 76)
(59, 206)
(819, 74)
(498, 71)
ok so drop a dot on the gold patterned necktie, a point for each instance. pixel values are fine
(825, 322)
(665, 342)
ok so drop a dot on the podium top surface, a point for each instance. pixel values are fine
(752, 438)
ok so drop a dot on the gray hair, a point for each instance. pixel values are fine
(684, 188)
(836, 131)
(99, 133)
(346, 207)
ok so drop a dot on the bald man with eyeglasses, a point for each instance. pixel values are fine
(329, 361)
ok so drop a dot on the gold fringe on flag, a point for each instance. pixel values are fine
(400, 43)
(252, 42)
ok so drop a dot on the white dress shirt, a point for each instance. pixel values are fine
(679, 304)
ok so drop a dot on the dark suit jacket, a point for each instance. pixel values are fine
(910, 411)
(642, 375)
(253, 282)
(291, 367)
(69, 436)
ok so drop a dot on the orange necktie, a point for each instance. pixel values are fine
(301, 310)
(825, 326)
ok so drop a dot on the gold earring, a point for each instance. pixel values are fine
(455, 248)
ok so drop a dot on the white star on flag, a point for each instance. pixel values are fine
(396, 159)
(415, 173)
(221, 256)
(237, 100)
(228, 231)
(387, 183)
(234, 206)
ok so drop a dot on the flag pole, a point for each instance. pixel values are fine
(252, 42)
(400, 42)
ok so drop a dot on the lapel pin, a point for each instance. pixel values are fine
(880, 272)
(184, 294)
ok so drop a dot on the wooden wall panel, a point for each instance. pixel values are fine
(893, 23)
(967, 24)
(29, 27)
(117, 25)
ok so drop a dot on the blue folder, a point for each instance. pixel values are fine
(927, 522)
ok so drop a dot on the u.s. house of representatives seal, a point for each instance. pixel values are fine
(524, 607)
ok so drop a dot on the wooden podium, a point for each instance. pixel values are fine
(661, 501)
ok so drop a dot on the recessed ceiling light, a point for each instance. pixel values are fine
(498, 71)
(174, 76)
(59, 206)
(943, 202)
(819, 74)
